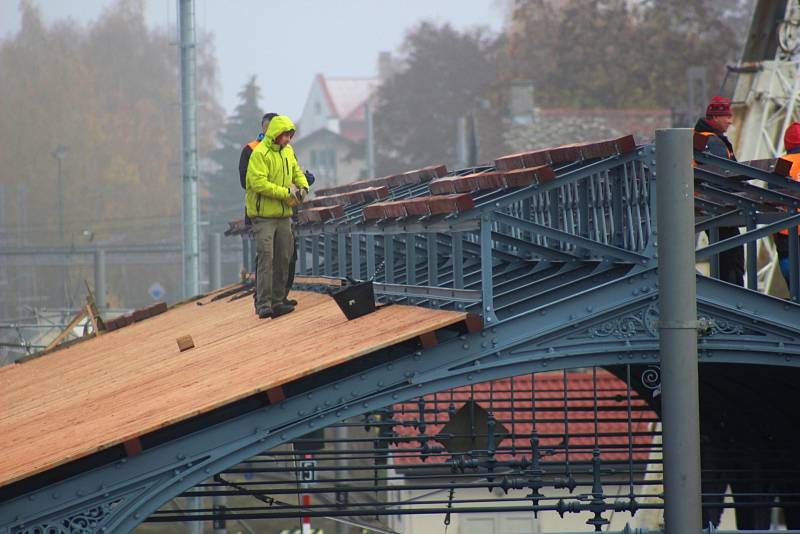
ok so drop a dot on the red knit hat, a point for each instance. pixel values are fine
(719, 107)
(791, 139)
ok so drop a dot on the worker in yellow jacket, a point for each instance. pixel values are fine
(274, 184)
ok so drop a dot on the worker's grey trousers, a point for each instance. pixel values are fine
(274, 243)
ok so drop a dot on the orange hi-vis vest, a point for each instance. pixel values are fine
(698, 142)
(794, 174)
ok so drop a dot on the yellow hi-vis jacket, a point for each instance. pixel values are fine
(270, 172)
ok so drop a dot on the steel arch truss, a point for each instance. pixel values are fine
(619, 327)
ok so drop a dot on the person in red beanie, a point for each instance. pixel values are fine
(716, 122)
(791, 142)
(713, 127)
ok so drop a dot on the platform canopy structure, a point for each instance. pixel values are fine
(515, 350)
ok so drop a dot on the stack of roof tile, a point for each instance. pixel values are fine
(426, 174)
(522, 177)
(321, 214)
(419, 207)
(134, 317)
(357, 196)
(568, 153)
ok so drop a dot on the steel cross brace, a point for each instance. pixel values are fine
(750, 235)
(738, 169)
(581, 242)
(743, 186)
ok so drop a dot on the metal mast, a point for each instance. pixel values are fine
(191, 241)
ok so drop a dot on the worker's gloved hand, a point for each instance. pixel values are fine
(292, 199)
(310, 177)
(302, 194)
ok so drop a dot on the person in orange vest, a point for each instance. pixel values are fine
(713, 127)
(716, 477)
(791, 142)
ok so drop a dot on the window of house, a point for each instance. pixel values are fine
(330, 160)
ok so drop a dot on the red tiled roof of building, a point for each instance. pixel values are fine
(612, 423)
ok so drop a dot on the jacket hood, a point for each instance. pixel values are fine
(277, 126)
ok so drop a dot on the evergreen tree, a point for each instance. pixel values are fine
(225, 201)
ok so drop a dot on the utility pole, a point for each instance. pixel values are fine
(677, 294)
(58, 154)
(191, 239)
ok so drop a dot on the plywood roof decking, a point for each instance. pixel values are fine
(104, 391)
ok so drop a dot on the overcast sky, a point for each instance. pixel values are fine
(286, 43)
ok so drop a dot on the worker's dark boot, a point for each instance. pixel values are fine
(281, 309)
(265, 313)
(290, 302)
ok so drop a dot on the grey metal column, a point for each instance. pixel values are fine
(678, 331)
(462, 156)
(458, 260)
(794, 265)
(751, 268)
(100, 289)
(388, 256)
(194, 527)
(487, 264)
(219, 502)
(191, 240)
(215, 261)
(59, 154)
(370, 139)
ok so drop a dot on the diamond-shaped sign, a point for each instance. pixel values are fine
(156, 291)
(468, 430)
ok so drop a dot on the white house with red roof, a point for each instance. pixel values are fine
(332, 129)
(337, 105)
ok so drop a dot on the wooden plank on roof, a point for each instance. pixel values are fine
(109, 390)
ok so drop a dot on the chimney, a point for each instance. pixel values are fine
(385, 65)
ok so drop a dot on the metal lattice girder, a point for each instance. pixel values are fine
(600, 209)
(125, 492)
